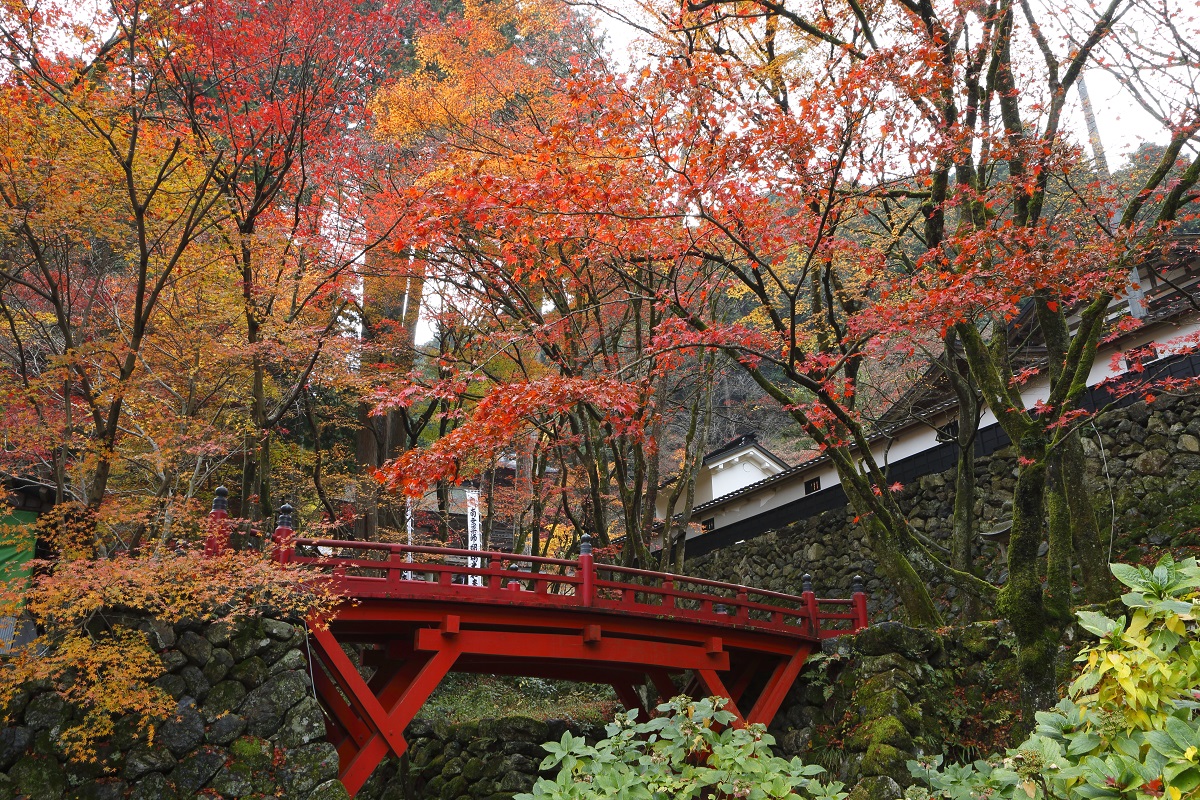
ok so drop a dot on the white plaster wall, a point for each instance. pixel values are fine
(737, 473)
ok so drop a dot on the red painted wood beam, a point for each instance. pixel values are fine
(566, 671)
(777, 687)
(400, 714)
(386, 734)
(563, 647)
(663, 684)
(355, 730)
(743, 675)
(375, 618)
(347, 678)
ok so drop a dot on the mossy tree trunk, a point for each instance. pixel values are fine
(1022, 601)
(1090, 550)
(964, 531)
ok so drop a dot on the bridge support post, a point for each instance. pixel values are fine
(859, 597)
(629, 698)
(715, 686)
(587, 570)
(777, 687)
(383, 716)
(810, 605)
(218, 524)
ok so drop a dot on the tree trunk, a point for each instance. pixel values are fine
(1059, 553)
(1090, 550)
(916, 602)
(964, 533)
(962, 542)
(1021, 599)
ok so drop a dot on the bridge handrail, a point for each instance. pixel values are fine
(588, 584)
(714, 584)
(396, 547)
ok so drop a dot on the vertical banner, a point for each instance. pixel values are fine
(408, 527)
(474, 536)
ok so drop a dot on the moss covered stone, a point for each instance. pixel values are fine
(307, 767)
(249, 641)
(474, 769)
(877, 703)
(891, 637)
(874, 665)
(251, 672)
(886, 760)
(876, 787)
(455, 787)
(223, 698)
(39, 776)
(255, 753)
(233, 780)
(884, 730)
(330, 790)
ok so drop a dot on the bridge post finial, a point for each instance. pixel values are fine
(285, 528)
(858, 596)
(285, 519)
(585, 545)
(220, 501)
(806, 582)
(217, 541)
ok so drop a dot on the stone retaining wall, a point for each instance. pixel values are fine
(491, 759)
(246, 725)
(1144, 460)
(871, 702)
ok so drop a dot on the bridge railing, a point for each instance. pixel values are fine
(390, 570)
(683, 595)
(383, 570)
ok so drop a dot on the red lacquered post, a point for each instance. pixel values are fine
(218, 529)
(495, 574)
(283, 540)
(860, 602)
(587, 569)
(810, 603)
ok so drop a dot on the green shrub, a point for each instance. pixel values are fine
(689, 751)
(1128, 729)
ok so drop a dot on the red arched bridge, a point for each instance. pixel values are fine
(414, 614)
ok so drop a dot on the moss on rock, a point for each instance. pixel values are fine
(883, 730)
(887, 761)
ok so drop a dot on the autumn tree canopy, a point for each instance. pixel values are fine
(222, 227)
(870, 186)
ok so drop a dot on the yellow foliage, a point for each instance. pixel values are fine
(107, 670)
(106, 677)
(471, 68)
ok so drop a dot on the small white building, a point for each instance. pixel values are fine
(742, 490)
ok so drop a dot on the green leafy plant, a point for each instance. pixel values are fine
(690, 750)
(1142, 665)
(1128, 729)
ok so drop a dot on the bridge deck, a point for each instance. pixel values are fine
(413, 614)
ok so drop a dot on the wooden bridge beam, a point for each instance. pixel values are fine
(715, 686)
(564, 647)
(778, 685)
(386, 714)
